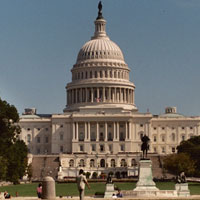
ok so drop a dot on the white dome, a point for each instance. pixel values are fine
(100, 48)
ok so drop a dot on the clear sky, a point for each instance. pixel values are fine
(160, 39)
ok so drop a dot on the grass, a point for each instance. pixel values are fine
(70, 189)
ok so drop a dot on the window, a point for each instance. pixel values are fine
(110, 136)
(28, 138)
(133, 163)
(46, 139)
(81, 136)
(154, 128)
(121, 125)
(46, 129)
(141, 125)
(173, 150)
(81, 148)
(154, 139)
(102, 163)
(183, 137)
(163, 149)
(61, 149)
(101, 125)
(110, 125)
(163, 128)
(110, 147)
(38, 129)
(155, 150)
(61, 136)
(183, 128)
(101, 147)
(93, 147)
(163, 138)
(38, 139)
(112, 163)
(95, 74)
(101, 74)
(28, 129)
(71, 163)
(191, 127)
(122, 136)
(81, 163)
(61, 126)
(122, 147)
(92, 163)
(123, 163)
(101, 138)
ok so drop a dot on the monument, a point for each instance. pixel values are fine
(109, 191)
(145, 185)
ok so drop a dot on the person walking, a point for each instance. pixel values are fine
(39, 191)
(81, 181)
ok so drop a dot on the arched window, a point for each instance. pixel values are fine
(71, 163)
(102, 163)
(92, 163)
(112, 164)
(82, 163)
(133, 163)
(123, 163)
(101, 138)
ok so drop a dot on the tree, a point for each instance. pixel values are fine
(177, 163)
(13, 151)
(192, 148)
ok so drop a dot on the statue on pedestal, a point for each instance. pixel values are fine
(145, 145)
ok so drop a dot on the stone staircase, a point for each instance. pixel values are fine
(45, 166)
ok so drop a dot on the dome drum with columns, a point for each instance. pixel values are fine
(100, 77)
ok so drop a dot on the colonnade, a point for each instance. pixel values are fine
(111, 133)
(107, 73)
(100, 94)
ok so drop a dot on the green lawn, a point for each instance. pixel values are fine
(70, 189)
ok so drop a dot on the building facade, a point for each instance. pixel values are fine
(100, 129)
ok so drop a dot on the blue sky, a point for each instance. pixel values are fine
(160, 39)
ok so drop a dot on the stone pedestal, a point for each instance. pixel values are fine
(145, 182)
(48, 188)
(109, 190)
(182, 189)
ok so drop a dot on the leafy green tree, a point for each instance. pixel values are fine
(192, 148)
(177, 163)
(13, 151)
(29, 171)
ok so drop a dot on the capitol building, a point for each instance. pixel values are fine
(100, 128)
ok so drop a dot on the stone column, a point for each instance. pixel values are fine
(97, 131)
(88, 130)
(74, 131)
(77, 131)
(130, 130)
(117, 135)
(114, 131)
(106, 131)
(120, 95)
(104, 94)
(92, 95)
(126, 131)
(109, 94)
(115, 95)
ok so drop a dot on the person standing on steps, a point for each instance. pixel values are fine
(81, 181)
